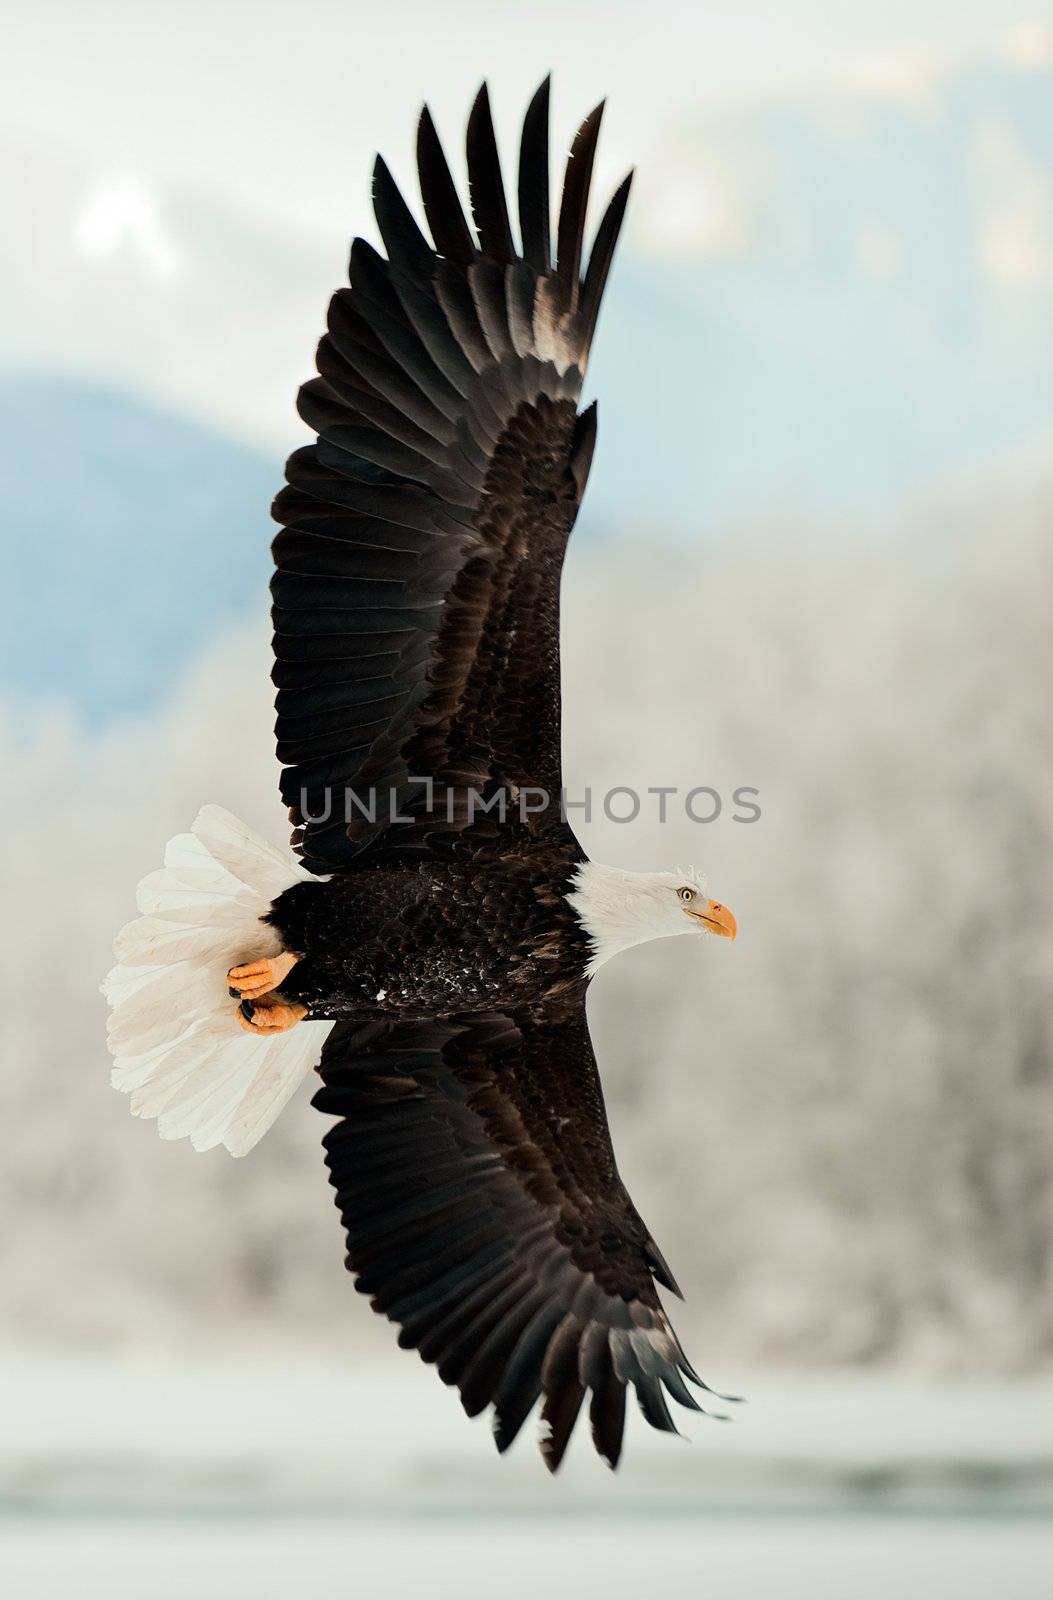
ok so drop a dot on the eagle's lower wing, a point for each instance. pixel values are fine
(416, 596)
(484, 1213)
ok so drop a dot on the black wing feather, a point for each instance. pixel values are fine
(534, 218)
(405, 243)
(600, 257)
(442, 207)
(574, 206)
(486, 186)
(499, 1238)
(426, 527)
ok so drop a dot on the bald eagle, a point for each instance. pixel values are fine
(430, 954)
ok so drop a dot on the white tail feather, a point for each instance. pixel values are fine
(179, 1052)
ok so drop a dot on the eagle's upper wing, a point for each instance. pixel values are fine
(484, 1213)
(416, 596)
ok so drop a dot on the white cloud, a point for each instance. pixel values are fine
(1029, 45)
(121, 219)
(697, 211)
(906, 74)
(879, 251)
(1014, 229)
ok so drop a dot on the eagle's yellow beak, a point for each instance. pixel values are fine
(717, 918)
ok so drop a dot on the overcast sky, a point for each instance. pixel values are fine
(278, 104)
(179, 183)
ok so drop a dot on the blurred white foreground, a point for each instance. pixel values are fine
(246, 1479)
(795, 1558)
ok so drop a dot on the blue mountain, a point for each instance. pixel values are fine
(134, 536)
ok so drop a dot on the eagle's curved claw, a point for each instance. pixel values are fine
(267, 1016)
(260, 977)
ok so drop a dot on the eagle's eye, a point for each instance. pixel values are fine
(686, 895)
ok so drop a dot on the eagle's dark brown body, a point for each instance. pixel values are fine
(437, 937)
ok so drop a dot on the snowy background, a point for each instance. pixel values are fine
(815, 559)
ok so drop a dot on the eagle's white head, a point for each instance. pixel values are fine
(618, 909)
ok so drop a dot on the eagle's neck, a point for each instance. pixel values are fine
(608, 903)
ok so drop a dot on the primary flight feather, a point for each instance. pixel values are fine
(430, 949)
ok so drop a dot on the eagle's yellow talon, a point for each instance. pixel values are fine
(260, 977)
(271, 1016)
